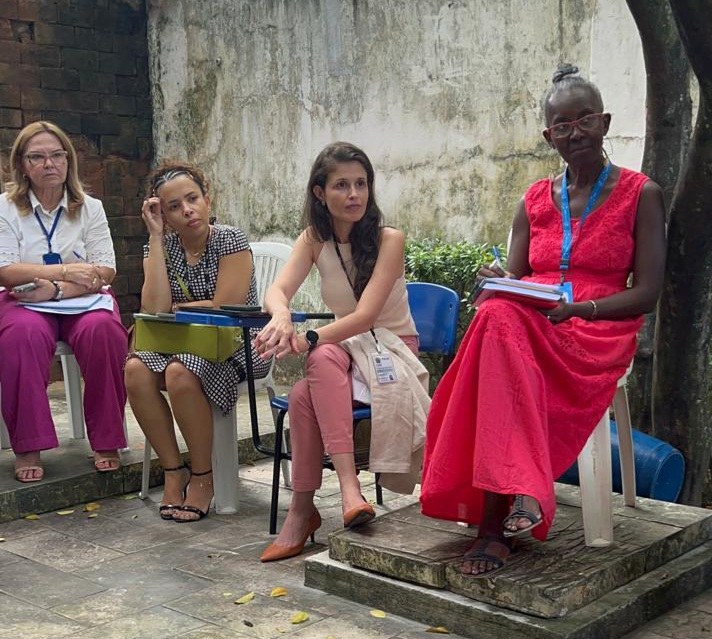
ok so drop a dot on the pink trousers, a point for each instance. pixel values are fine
(320, 417)
(27, 343)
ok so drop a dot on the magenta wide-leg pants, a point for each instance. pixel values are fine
(27, 344)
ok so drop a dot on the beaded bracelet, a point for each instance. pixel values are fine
(594, 313)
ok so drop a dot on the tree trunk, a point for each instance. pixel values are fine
(682, 388)
(667, 134)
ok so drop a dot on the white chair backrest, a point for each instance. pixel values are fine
(269, 258)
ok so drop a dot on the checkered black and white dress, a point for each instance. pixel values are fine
(219, 379)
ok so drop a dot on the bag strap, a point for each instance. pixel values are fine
(179, 279)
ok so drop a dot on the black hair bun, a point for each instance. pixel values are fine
(563, 71)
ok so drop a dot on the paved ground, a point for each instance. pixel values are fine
(126, 574)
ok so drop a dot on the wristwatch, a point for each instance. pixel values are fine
(312, 338)
(58, 292)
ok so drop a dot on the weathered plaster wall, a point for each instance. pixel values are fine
(443, 95)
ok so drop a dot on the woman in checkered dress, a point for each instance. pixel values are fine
(194, 264)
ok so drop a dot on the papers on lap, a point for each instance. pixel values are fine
(74, 305)
(540, 295)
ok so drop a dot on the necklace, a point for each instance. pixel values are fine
(202, 250)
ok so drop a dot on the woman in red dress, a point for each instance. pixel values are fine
(528, 386)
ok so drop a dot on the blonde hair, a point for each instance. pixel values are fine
(18, 185)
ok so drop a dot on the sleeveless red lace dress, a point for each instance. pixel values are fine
(522, 396)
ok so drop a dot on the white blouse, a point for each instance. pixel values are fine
(84, 238)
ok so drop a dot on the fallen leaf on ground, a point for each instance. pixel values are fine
(134, 516)
(32, 517)
(92, 515)
(278, 592)
(228, 594)
(299, 617)
(249, 624)
(245, 598)
(439, 630)
(2, 539)
(281, 630)
(379, 614)
(127, 497)
(91, 507)
(65, 512)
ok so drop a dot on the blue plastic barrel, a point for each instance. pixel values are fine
(659, 468)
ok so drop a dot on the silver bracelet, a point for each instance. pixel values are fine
(595, 310)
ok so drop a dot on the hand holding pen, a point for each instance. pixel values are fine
(495, 269)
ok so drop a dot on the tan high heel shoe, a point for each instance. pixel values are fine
(275, 551)
(359, 515)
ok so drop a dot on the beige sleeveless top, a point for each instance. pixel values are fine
(339, 296)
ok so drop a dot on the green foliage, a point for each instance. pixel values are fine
(454, 265)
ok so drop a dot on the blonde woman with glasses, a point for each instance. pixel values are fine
(55, 244)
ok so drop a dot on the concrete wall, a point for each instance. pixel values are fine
(443, 95)
(84, 66)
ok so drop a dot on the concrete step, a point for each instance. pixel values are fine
(609, 617)
(547, 580)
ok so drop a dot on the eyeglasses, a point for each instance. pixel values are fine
(57, 158)
(587, 123)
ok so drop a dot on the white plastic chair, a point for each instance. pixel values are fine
(269, 257)
(73, 393)
(596, 471)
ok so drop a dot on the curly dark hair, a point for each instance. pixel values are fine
(365, 234)
(169, 169)
(567, 76)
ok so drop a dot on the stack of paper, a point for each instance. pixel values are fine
(542, 295)
(73, 305)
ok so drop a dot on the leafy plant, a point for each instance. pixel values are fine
(454, 265)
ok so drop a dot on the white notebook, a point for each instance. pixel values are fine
(547, 295)
(73, 305)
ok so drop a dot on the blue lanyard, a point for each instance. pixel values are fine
(567, 240)
(52, 230)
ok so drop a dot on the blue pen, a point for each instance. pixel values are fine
(79, 256)
(497, 260)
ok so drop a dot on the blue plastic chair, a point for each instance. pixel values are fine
(435, 311)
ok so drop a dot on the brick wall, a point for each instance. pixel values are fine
(83, 64)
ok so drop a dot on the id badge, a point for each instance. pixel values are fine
(568, 290)
(383, 367)
(51, 258)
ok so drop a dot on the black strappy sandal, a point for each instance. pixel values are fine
(163, 508)
(519, 512)
(194, 509)
(479, 552)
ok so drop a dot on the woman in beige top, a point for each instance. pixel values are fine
(361, 264)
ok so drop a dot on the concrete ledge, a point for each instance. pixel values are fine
(547, 580)
(612, 616)
(70, 477)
